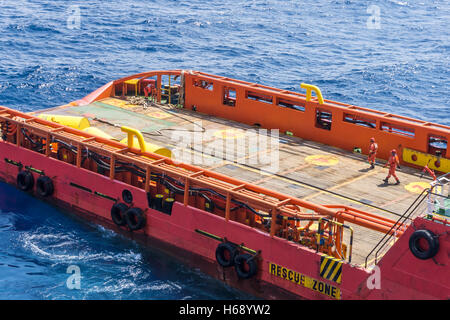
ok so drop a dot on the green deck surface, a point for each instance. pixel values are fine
(119, 116)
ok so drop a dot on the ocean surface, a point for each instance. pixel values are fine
(388, 55)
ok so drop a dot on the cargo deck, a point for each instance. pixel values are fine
(332, 176)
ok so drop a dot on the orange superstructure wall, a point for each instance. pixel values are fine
(302, 124)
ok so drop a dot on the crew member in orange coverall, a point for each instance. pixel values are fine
(150, 91)
(373, 148)
(393, 164)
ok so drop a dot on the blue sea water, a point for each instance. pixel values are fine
(53, 52)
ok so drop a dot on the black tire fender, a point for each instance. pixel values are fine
(44, 186)
(135, 218)
(25, 180)
(127, 196)
(431, 239)
(118, 214)
(225, 254)
(245, 265)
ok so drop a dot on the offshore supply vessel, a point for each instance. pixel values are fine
(319, 224)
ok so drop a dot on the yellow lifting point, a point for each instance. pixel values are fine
(309, 88)
(134, 133)
(135, 137)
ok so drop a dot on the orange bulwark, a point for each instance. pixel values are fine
(334, 123)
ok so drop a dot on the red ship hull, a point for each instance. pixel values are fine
(285, 271)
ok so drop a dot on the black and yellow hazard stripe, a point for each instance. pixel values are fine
(331, 268)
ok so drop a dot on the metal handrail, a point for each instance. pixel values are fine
(339, 225)
(388, 235)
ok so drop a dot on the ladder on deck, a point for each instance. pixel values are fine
(425, 204)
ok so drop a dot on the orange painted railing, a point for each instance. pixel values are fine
(271, 202)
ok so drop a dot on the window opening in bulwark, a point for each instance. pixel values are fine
(397, 129)
(437, 145)
(257, 96)
(360, 121)
(229, 96)
(291, 105)
(207, 85)
(323, 119)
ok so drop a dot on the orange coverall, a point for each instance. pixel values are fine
(393, 163)
(373, 148)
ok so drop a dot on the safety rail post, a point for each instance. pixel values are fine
(19, 135)
(186, 192)
(350, 250)
(148, 175)
(405, 216)
(168, 92)
(47, 145)
(273, 221)
(340, 235)
(112, 166)
(79, 151)
(187, 182)
(319, 223)
(158, 86)
(227, 206)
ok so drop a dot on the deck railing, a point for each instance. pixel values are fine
(418, 207)
(317, 119)
(270, 202)
(313, 118)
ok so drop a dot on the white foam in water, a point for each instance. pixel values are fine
(42, 244)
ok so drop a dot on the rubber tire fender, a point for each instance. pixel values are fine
(25, 180)
(221, 257)
(118, 214)
(135, 218)
(239, 266)
(430, 238)
(127, 196)
(44, 186)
